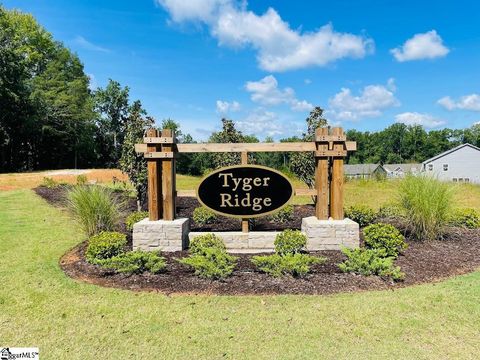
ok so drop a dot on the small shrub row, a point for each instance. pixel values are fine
(204, 216)
(135, 217)
(361, 214)
(104, 246)
(283, 215)
(384, 237)
(467, 218)
(136, 262)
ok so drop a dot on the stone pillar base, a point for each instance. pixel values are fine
(330, 234)
(163, 235)
(241, 242)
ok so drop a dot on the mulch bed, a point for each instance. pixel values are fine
(422, 262)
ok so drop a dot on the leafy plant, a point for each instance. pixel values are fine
(361, 214)
(370, 262)
(135, 217)
(386, 237)
(290, 242)
(468, 218)
(95, 208)
(296, 264)
(49, 182)
(200, 244)
(104, 246)
(283, 215)
(389, 211)
(203, 216)
(211, 263)
(136, 262)
(82, 179)
(427, 204)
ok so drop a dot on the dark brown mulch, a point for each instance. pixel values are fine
(422, 262)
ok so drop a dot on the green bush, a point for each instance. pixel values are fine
(200, 244)
(297, 264)
(283, 215)
(82, 180)
(135, 217)
(136, 262)
(49, 182)
(361, 214)
(468, 218)
(370, 262)
(212, 263)
(104, 246)
(386, 237)
(203, 216)
(290, 242)
(427, 204)
(389, 211)
(95, 208)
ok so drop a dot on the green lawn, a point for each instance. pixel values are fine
(40, 306)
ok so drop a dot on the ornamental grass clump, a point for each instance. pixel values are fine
(427, 204)
(95, 208)
(288, 258)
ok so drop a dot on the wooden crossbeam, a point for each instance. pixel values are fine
(298, 192)
(248, 147)
(158, 140)
(322, 153)
(321, 138)
(159, 155)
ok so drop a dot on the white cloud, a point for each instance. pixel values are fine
(467, 102)
(224, 107)
(92, 82)
(371, 101)
(428, 45)
(307, 81)
(415, 118)
(278, 46)
(261, 122)
(266, 92)
(84, 43)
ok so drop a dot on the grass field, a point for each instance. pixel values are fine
(40, 306)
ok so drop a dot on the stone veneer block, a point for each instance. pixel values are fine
(330, 234)
(163, 235)
(240, 242)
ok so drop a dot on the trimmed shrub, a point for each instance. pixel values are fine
(212, 263)
(386, 237)
(104, 246)
(468, 218)
(95, 208)
(135, 217)
(427, 204)
(370, 262)
(361, 214)
(136, 262)
(283, 215)
(200, 244)
(390, 211)
(290, 242)
(203, 216)
(82, 180)
(296, 264)
(49, 182)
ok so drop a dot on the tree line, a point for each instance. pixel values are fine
(50, 118)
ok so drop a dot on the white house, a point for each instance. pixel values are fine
(460, 164)
(400, 170)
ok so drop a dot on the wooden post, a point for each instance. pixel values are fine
(168, 178)
(244, 155)
(321, 178)
(154, 181)
(336, 186)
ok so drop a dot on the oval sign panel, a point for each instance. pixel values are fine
(245, 191)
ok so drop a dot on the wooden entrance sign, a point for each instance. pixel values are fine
(330, 147)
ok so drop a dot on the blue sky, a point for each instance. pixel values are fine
(266, 63)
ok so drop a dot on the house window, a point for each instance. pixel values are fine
(455, 179)
(467, 180)
(430, 167)
(460, 179)
(445, 167)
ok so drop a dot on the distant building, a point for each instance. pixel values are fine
(364, 171)
(400, 170)
(460, 164)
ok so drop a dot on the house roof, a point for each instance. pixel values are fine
(450, 151)
(403, 167)
(360, 169)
